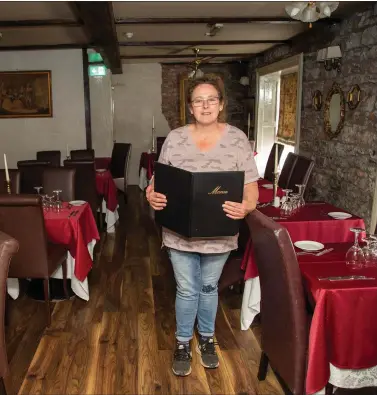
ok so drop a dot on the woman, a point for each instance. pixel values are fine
(208, 144)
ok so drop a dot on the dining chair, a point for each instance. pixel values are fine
(82, 154)
(21, 216)
(14, 176)
(119, 165)
(269, 171)
(54, 157)
(284, 319)
(301, 173)
(31, 174)
(160, 142)
(60, 179)
(8, 248)
(286, 171)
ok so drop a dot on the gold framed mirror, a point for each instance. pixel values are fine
(335, 107)
(353, 97)
(317, 100)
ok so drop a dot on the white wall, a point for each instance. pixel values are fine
(101, 114)
(21, 138)
(137, 97)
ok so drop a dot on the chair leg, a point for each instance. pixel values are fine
(3, 390)
(64, 267)
(329, 389)
(46, 285)
(263, 366)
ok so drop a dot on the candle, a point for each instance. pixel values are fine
(153, 122)
(276, 158)
(248, 126)
(6, 168)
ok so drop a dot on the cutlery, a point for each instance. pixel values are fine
(344, 278)
(263, 205)
(72, 213)
(314, 203)
(315, 253)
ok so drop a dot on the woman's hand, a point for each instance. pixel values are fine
(156, 200)
(236, 210)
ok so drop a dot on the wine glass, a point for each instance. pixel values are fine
(285, 197)
(355, 255)
(301, 194)
(58, 202)
(38, 189)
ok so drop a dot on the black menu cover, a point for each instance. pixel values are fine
(195, 200)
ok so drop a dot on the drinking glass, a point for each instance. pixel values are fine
(38, 189)
(355, 255)
(301, 188)
(58, 202)
(285, 197)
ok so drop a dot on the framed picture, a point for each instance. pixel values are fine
(183, 108)
(25, 94)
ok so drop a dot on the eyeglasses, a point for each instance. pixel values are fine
(211, 101)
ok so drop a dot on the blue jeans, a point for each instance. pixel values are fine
(197, 276)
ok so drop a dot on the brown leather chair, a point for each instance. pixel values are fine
(284, 318)
(53, 157)
(160, 142)
(269, 171)
(60, 178)
(85, 184)
(120, 160)
(14, 176)
(301, 173)
(21, 216)
(287, 169)
(8, 248)
(31, 174)
(82, 154)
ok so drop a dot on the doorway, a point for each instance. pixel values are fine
(278, 113)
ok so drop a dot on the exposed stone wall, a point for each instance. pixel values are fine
(345, 171)
(236, 93)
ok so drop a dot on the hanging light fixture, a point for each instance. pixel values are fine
(311, 11)
(196, 72)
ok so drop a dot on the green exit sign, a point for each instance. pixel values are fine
(97, 70)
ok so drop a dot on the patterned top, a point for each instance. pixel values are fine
(231, 152)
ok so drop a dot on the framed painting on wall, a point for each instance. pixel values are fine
(25, 94)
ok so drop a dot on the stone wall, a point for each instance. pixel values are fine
(236, 93)
(345, 166)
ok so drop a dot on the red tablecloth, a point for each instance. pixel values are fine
(107, 188)
(310, 223)
(75, 232)
(102, 162)
(147, 162)
(266, 195)
(344, 325)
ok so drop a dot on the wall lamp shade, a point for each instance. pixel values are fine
(330, 56)
(244, 81)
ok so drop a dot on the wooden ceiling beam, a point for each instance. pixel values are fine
(199, 43)
(212, 20)
(44, 47)
(169, 56)
(39, 23)
(98, 18)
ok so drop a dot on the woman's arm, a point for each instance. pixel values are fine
(236, 210)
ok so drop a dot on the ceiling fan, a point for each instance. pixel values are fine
(194, 65)
(176, 51)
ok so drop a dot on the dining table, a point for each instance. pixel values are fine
(343, 330)
(75, 228)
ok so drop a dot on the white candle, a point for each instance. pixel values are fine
(67, 151)
(248, 125)
(153, 122)
(6, 168)
(276, 158)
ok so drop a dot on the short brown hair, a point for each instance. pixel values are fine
(217, 83)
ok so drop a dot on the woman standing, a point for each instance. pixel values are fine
(209, 144)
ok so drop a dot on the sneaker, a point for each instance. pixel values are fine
(206, 348)
(182, 359)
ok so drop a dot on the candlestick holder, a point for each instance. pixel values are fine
(7, 185)
(275, 199)
(153, 141)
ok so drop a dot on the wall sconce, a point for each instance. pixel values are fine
(244, 81)
(330, 57)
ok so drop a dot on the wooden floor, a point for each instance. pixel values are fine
(122, 340)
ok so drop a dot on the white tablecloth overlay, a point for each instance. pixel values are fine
(80, 288)
(111, 217)
(343, 378)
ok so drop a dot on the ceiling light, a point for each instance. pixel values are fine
(128, 34)
(244, 80)
(311, 11)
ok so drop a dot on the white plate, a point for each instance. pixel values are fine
(339, 215)
(100, 170)
(77, 202)
(268, 186)
(308, 245)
